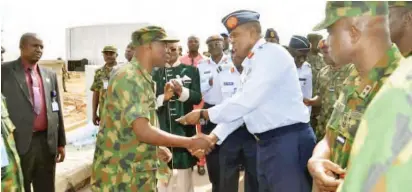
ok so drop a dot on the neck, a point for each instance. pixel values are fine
(217, 58)
(111, 64)
(239, 67)
(314, 52)
(370, 54)
(145, 63)
(193, 54)
(299, 65)
(29, 61)
(404, 44)
(171, 63)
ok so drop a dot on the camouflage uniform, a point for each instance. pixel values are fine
(381, 156)
(121, 162)
(329, 86)
(11, 174)
(317, 63)
(356, 93)
(101, 79)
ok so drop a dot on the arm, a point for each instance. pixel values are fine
(61, 140)
(192, 95)
(309, 90)
(96, 87)
(256, 90)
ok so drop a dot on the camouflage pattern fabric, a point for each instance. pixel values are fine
(109, 48)
(150, 34)
(381, 157)
(317, 63)
(11, 175)
(328, 87)
(406, 4)
(336, 10)
(352, 102)
(121, 162)
(101, 75)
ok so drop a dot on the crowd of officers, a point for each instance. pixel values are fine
(319, 114)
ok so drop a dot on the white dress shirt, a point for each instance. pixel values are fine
(208, 70)
(269, 96)
(305, 79)
(227, 81)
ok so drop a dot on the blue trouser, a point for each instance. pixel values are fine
(282, 156)
(238, 148)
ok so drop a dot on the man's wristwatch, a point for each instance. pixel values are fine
(202, 119)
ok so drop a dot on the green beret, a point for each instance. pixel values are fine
(109, 48)
(151, 34)
(406, 4)
(336, 10)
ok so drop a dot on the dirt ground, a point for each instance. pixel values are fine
(74, 100)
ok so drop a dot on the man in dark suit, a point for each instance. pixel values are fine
(33, 100)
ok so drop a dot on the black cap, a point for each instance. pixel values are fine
(271, 33)
(299, 43)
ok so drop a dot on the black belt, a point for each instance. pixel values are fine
(280, 131)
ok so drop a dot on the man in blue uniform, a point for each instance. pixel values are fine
(240, 146)
(270, 103)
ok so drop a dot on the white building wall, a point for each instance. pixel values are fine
(88, 41)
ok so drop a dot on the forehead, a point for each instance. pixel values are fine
(193, 39)
(173, 45)
(34, 40)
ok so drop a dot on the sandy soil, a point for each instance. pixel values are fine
(74, 101)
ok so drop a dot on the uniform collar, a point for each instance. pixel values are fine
(384, 67)
(142, 70)
(224, 59)
(257, 45)
(177, 63)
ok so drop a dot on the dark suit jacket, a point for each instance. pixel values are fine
(20, 107)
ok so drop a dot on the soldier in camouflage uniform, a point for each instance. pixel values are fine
(126, 156)
(380, 154)
(128, 54)
(315, 59)
(327, 89)
(11, 174)
(101, 81)
(381, 157)
(369, 20)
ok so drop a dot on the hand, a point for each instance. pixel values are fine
(201, 141)
(200, 153)
(61, 154)
(191, 118)
(323, 172)
(96, 120)
(164, 154)
(308, 102)
(177, 88)
(211, 81)
(168, 92)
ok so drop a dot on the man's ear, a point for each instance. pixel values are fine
(407, 20)
(354, 34)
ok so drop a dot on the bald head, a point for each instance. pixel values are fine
(31, 47)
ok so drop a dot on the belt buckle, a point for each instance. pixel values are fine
(256, 137)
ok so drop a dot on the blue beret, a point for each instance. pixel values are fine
(299, 43)
(240, 17)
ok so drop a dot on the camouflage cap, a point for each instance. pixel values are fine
(406, 4)
(336, 10)
(314, 36)
(150, 34)
(214, 38)
(109, 48)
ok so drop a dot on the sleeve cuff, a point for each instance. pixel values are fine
(219, 132)
(159, 100)
(214, 114)
(184, 96)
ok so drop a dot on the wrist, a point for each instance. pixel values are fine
(213, 138)
(204, 114)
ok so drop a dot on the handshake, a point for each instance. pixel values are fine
(202, 144)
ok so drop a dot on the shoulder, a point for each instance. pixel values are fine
(307, 65)
(224, 67)
(48, 71)
(9, 64)
(274, 51)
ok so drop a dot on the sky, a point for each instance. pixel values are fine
(182, 18)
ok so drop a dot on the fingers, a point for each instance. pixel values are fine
(329, 165)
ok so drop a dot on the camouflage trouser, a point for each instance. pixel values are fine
(126, 182)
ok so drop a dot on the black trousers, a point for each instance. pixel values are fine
(39, 165)
(238, 148)
(212, 159)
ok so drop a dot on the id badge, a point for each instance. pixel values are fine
(55, 106)
(4, 156)
(105, 84)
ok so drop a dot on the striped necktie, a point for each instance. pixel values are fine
(36, 92)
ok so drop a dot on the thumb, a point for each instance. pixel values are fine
(329, 165)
